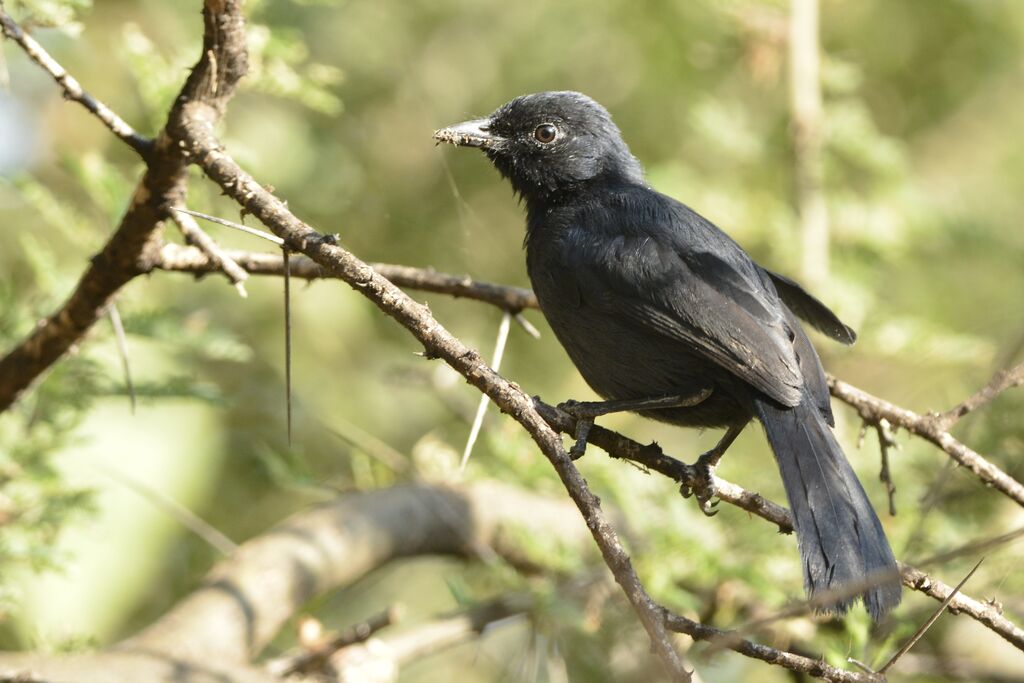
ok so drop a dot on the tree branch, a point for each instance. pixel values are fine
(72, 89)
(788, 660)
(215, 632)
(1004, 379)
(932, 428)
(176, 258)
(215, 256)
(247, 598)
(312, 657)
(136, 240)
(652, 457)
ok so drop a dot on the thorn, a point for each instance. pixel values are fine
(481, 409)
(230, 224)
(122, 350)
(526, 325)
(288, 340)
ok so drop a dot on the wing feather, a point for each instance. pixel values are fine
(692, 283)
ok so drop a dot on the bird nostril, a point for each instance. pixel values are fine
(485, 128)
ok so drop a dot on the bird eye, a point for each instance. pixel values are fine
(545, 133)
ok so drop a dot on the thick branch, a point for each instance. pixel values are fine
(216, 631)
(136, 240)
(246, 599)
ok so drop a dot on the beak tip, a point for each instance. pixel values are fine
(468, 134)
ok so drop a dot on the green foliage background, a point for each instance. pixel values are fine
(924, 181)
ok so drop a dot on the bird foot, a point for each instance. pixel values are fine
(586, 411)
(701, 482)
(583, 410)
(579, 449)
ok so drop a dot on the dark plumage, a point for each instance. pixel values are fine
(651, 299)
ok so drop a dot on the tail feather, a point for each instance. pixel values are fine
(840, 537)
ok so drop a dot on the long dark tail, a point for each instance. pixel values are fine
(840, 538)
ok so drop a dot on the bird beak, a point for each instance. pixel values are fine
(469, 134)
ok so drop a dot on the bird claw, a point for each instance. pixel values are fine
(579, 449)
(584, 412)
(702, 485)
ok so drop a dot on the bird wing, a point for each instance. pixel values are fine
(808, 308)
(675, 273)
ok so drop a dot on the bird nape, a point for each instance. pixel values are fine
(652, 300)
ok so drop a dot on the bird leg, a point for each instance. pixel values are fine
(586, 411)
(702, 480)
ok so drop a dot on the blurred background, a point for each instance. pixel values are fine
(919, 161)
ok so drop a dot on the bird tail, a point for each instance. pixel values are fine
(842, 544)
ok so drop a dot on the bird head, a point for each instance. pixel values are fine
(549, 144)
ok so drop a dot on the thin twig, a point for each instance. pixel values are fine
(526, 325)
(872, 409)
(481, 409)
(933, 497)
(885, 442)
(313, 659)
(986, 613)
(1003, 379)
(72, 89)
(788, 660)
(928, 624)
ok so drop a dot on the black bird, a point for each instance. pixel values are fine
(650, 300)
